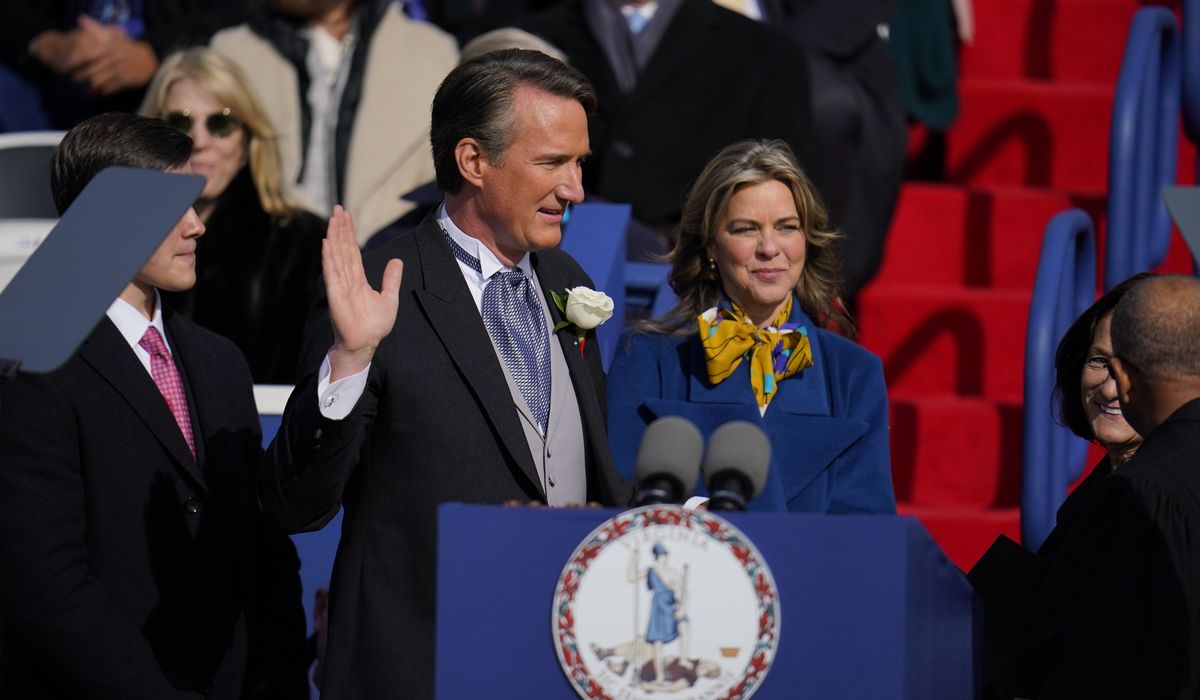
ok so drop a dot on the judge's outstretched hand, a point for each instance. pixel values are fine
(361, 316)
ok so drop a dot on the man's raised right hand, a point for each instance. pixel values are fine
(361, 317)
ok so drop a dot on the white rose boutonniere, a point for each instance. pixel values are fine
(584, 309)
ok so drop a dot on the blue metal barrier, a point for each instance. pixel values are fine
(1143, 145)
(595, 237)
(1191, 73)
(1052, 457)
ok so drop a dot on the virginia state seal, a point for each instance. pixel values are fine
(661, 602)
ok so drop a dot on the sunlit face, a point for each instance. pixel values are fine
(1100, 403)
(217, 158)
(522, 199)
(759, 249)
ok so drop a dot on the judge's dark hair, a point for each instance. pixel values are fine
(476, 101)
(109, 139)
(1072, 354)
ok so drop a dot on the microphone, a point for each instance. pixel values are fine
(668, 461)
(735, 466)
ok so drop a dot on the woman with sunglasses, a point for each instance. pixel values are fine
(260, 254)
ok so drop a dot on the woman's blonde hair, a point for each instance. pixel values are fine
(693, 276)
(224, 81)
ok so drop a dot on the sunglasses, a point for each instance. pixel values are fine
(219, 124)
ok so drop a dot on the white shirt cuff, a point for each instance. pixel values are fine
(337, 399)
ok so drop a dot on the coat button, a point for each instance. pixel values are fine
(192, 506)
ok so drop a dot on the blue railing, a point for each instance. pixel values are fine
(1191, 73)
(1065, 285)
(1143, 145)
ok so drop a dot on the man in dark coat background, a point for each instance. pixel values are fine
(694, 78)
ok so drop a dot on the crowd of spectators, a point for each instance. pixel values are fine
(340, 93)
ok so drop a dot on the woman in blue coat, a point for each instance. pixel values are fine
(755, 267)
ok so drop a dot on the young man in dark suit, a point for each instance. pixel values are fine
(134, 562)
(422, 393)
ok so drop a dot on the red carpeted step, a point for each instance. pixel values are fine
(964, 534)
(950, 451)
(938, 340)
(986, 237)
(1021, 132)
(1073, 40)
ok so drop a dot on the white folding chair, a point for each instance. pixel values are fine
(18, 239)
(25, 174)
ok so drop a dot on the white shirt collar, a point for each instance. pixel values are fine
(328, 51)
(646, 11)
(132, 324)
(489, 264)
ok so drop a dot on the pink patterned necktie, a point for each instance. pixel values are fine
(166, 377)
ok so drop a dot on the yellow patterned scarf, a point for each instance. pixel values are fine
(775, 353)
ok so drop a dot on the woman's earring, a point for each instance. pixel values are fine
(712, 266)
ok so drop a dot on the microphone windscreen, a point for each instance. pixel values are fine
(741, 446)
(671, 446)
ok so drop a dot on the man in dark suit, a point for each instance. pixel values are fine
(450, 383)
(675, 86)
(134, 562)
(858, 118)
(1118, 615)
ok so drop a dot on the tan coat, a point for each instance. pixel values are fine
(389, 147)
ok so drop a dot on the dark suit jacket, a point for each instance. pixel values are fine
(436, 423)
(127, 569)
(715, 78)
(1118, 615)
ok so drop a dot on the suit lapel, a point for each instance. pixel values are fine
(447, 304)
(551, 278)
(203, 398)
(107, 352)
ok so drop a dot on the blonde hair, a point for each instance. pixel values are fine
(692, 275)
(224, 81)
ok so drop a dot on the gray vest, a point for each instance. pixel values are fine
(560, 456)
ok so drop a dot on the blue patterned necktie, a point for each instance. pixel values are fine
(512, 314)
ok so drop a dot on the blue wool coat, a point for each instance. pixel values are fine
(828, 425)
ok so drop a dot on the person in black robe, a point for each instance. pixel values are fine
(1007, 575)
(1118, 614)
